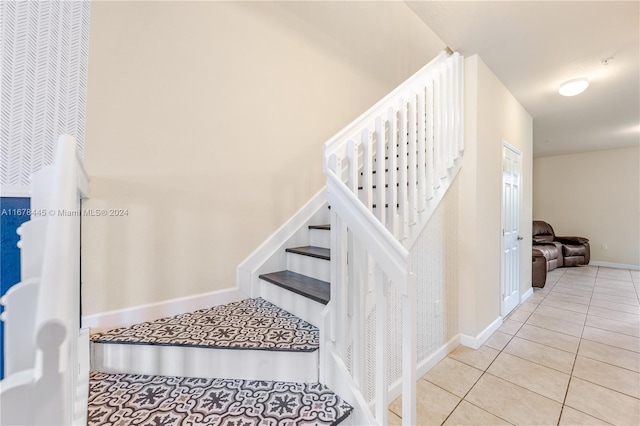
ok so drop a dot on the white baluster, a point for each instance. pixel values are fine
(451, 141)
(353, 167)
(367, 169)
(421, 145)
(437, 129)
(456, 107)
(402, 170)
(429, 140)
(392, 190)
(380, 169)
(444, 120)
(461, 102)
(412, 160)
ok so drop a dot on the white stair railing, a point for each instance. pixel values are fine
(386, 174)
(45, 351)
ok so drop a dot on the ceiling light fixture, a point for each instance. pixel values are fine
(573, 87)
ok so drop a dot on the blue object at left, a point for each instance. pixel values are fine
(13, 213)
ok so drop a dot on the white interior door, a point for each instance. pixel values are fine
(511, 176)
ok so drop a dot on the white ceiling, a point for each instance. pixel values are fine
(533, 46)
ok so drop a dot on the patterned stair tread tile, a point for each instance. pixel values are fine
(124, 399)
(247, 324)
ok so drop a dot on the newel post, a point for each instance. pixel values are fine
(409, 351)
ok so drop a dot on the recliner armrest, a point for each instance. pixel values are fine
(572, 240)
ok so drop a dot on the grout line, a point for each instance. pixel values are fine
(566, 392)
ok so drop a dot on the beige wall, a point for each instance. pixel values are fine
(492, 116)
(595, 195)
(206, 120)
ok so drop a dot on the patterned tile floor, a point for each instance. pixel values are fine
(248, 324)
(122, 399)
(569, 355)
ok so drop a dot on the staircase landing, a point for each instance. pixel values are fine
(162, 401)
(247, 324)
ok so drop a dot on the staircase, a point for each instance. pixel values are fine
(310, 345)
(247, 362)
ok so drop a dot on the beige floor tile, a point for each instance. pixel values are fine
(603, 403)
(631, 293)
(614, 274)
(538, 296)
(510, 327)
(479, 358)
(635, 275)
(554, 324)
(561, 314)
(468, 414)
(610, 355)
(572, 417)
(535, 377)
(615, 284)
(589, 272)
(498, 340)
(611, 338)
(453, 376)
(613, 325)
(566, 305)
(632, 301)
(616, 306)
(518, 315)
(608, 313)
(569, 298)
(541, 354)
(571, 291)
(434, 404)
(528, 306)
(513, 403)
(549, 338)
(609, 376)
(394, 420)
(575, 284)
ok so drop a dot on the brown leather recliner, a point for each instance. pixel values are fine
(572, 251)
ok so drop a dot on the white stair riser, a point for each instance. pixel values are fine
(320, 238)
(300, 306)
(245, 364)
(310, 266)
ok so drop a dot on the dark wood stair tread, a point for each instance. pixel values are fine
(314, 289)
(312, 251)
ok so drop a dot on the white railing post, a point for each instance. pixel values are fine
(409, 351)
(382, 381)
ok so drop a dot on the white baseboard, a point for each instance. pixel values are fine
(167, 308)
(477, 341)
(395, 390)
(614, 265)
(527, 295)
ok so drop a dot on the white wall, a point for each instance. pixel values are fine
(595, 195)
(492, 115)
(205, 121)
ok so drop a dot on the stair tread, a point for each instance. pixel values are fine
(248, 324)
(141, 399)
(314, 289)
(312, 251)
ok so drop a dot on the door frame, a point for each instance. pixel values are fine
(518, 152)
